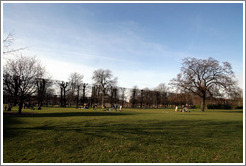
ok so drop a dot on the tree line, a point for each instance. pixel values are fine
(26, 82)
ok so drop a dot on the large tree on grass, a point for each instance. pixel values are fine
(134, 96)
(20, 76)
(163, 90)
(43, 88)
(75, 85)
(204, 78)
(103, 79)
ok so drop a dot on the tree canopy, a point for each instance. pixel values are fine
(205, 77)
(103, 79)
(20, 76)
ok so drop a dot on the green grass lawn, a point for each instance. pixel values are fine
(69, 135)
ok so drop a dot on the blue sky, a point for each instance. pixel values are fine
(143, 44)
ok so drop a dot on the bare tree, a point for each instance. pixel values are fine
(11, 88)
(114, 94)
(8, 43)
(141, 98)
(134, 96)
(75, 84)
(50, 97)
(43, 86)
(103, 78)
(75, 79)
(20, 76)
(122, 97)
(205, 77)
(163, 90)
(84, 85)
(148, 98)
(237, 96)
(63, 100)
(94, 95)
(157, 98)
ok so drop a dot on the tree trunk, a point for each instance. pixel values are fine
(64, 97)
(21, 102)
(77, 104)
(203, 104)
(61, 98)
(103, 98)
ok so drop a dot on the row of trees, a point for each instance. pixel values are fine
(26, 80)
(206, 78)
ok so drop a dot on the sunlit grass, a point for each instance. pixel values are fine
(69, 135)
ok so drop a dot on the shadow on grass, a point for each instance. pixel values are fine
(68, 114)
(173, 134)
(230, 111)
(11, 120)
(8, 122)
(168, 131)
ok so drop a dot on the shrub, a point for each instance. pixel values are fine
(239, 107)
(219, 106)
(195, 107)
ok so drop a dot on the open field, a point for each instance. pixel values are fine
(68, 135)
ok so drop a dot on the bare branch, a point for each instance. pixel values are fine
(205, 77)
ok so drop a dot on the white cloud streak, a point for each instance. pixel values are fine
(119, 46)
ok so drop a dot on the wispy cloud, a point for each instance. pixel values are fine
(121, 50)
(78, 41)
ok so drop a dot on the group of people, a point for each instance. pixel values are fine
(7, 108)
(114, 108)
(184, 109)
(94, 107)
